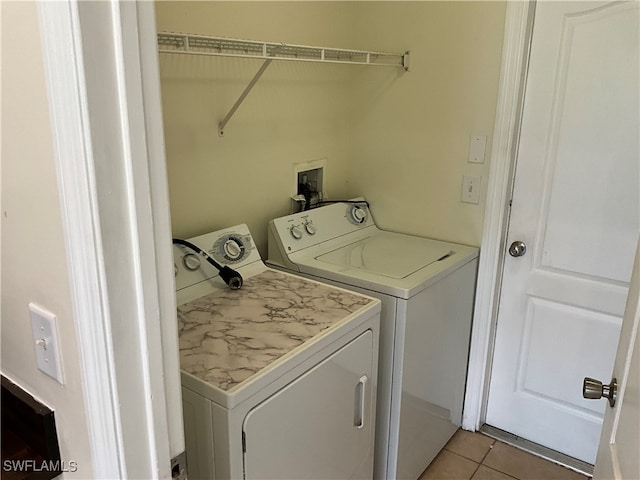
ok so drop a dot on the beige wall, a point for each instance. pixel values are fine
(399, 139)
(411, 133)
(296, 113)
(33, 258)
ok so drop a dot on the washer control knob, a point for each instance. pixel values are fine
(310, 228)
(295, 232)
(358, 214)
(232, 249)
(191, 261)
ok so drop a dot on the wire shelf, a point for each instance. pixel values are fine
(179, 43)
(228, 47)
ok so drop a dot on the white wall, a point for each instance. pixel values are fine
(399, 139)
(33, 258)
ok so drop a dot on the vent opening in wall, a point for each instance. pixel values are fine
(29, 438)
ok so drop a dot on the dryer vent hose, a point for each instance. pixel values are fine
(229, 275)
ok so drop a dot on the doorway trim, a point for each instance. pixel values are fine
(506, 133)
(101, 73)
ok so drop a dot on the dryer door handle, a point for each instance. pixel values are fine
(361, 388)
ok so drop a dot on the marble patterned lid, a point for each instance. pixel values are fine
(228, 336)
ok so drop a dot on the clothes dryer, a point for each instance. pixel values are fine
(427, 292)
(279, 376)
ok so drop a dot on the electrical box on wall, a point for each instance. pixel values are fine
(309, 184)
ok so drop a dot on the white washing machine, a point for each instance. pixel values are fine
(427, 292)
(279, 376)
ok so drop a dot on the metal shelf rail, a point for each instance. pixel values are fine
(178, 43)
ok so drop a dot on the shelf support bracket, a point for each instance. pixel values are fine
(243, 95)
(405, 61)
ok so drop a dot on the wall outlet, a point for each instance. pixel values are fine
(45, 340)
(477, 147)
(470, 190)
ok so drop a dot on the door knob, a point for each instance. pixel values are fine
(594, 389)
(517, 249)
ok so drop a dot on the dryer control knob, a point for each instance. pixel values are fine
(191, 261)
(295, 232)
(232, 249)
(358, 214)
(310, 228)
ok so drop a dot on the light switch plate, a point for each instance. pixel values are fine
(470, 190)
(477, 147)
(45, 341)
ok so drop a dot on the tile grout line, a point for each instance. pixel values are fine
(475, 471)
(488, 451)
(480, 463)
(487, 466)
(503, 473)
(491, 468)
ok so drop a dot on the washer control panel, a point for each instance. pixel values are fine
(311, 227)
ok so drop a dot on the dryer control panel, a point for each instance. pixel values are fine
(232, 246)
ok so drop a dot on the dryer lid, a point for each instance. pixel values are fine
(388, 254)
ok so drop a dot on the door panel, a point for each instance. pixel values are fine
(542, 352)
(576, 206)
(589, 113)
(321, 425)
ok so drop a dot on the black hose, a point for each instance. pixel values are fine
(328, 202)
(229, 275)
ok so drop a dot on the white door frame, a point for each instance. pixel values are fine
(515, 59)
(101, 68)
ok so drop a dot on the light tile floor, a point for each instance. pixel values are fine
(475, 456)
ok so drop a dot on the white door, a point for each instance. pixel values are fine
(319, 426)
(576, 207)
(618, 457)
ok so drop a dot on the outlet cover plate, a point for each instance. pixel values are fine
(45, 341)
(477, 148)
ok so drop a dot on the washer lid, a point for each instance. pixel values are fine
(388, 254)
